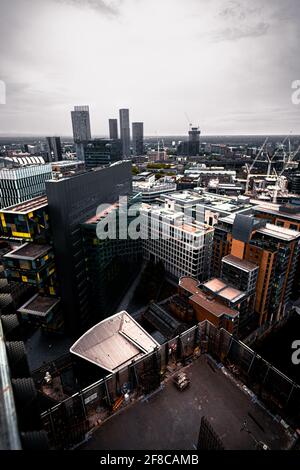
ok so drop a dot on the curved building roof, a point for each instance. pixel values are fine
(114, 342)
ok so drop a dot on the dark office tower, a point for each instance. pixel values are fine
(54, 149)
(99, 152)
(71, 201)
(113, 128)
(138, 138)
(81, 124)
(125, 132)
(194, 141)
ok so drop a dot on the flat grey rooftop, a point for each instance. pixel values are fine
(39, 305)
(170, 419)
(28, 251)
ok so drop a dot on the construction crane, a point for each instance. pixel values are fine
(249, 168)
(291, 157)
(188, 120)
(276, 152)
(280, 180)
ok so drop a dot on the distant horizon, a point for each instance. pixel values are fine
(103, 136)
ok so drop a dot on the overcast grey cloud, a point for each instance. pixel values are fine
(228, 64)
(109, 7)
(234, 33)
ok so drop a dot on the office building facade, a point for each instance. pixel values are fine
(111, 263)
(20, 184)
(184, 247)
(125, 132)
(71, 201)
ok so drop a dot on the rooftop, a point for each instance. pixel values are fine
(25, 160)
(281, 233)
(170, 420)
(209, 303)
(176, 218)
(224, 290)
(66, 163)
(100, 215)
(114, 342)
(291, 211)
(210, 171)
(199, 198)
(157, 186)
(39, 305)
(27, 206)
(260, 226)
(28, 251)
(183, 197)
(239, 263)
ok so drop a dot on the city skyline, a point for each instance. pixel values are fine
(212, 64)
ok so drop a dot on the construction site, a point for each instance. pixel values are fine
(234, 398)
(266, 176)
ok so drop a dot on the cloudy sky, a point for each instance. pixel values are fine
(226, 64)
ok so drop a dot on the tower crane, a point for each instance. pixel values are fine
(249, 169)
(279, 180)
(188, 120)
(277, 150)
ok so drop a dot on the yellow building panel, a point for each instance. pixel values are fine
(3, 220)
(21, 234)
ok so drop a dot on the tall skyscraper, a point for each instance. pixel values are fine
(54, 149)
(194, 141)
(113, 128)
(138, 138)
(125, 132)
(81, 124)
